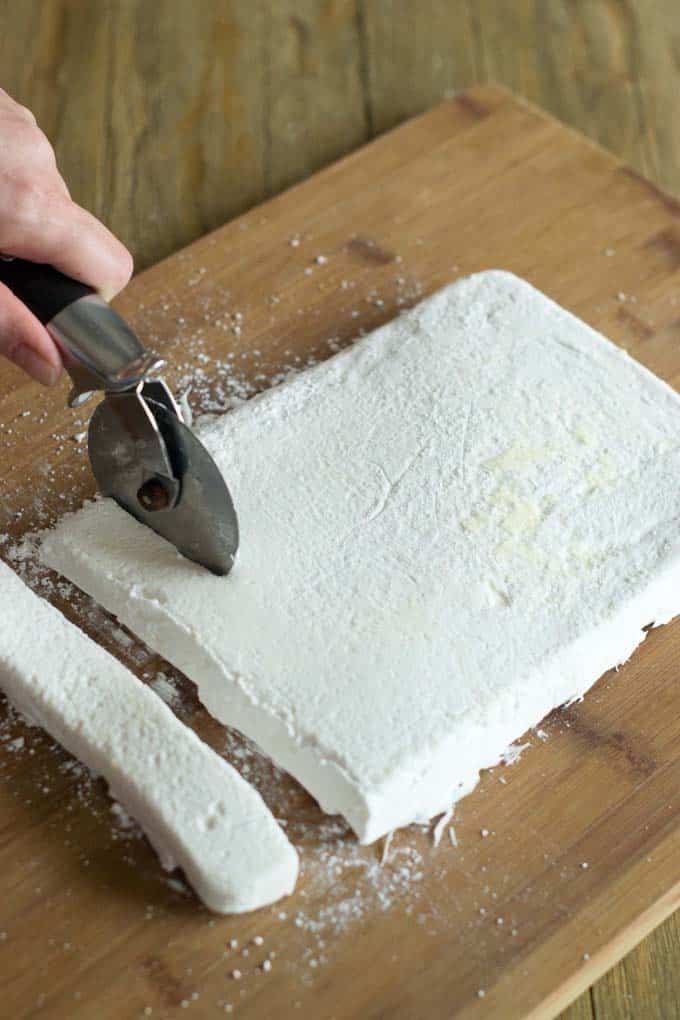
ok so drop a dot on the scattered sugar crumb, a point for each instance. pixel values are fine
(122, 638)
(438, 830)
(166, 689)
(514, 753)
(185, 407)
(384, 857)
(176, 885)
(123, 819)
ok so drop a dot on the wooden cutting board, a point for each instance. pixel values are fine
(566, 858)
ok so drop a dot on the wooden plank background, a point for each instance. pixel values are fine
(170, 117)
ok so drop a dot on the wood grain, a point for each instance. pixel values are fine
(611, 69)
(157, 110)
(316, 107)
(113, 939)
(169, 118)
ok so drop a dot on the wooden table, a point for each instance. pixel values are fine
(171, 117)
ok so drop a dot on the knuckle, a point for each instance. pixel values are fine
(29, 200)
(17, 118)
(38, 145)
(16, 111)
(26, 114)
(42, 145)
(29, 140)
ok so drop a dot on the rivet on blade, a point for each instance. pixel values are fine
(153, 495)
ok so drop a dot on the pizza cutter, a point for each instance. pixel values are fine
(141, 451)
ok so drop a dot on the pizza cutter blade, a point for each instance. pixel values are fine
(152, 464)
(142, 453)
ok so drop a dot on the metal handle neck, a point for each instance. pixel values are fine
(99, 349)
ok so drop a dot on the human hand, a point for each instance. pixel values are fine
(38, 221)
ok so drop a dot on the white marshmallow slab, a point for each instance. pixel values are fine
(198, 813)
(446, 531)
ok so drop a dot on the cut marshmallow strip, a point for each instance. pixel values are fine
(446, 531)
(197, 812)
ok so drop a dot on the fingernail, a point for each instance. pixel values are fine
(40, 369)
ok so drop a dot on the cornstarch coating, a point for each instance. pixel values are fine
(197, 811)
(447, 530)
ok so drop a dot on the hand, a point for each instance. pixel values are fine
(38, 221)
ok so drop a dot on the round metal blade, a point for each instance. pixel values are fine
(202, 524)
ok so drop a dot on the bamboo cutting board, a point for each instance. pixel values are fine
(566, 858)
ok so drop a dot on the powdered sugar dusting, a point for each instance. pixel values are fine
(342, 884)
(167, 688)
(351, 881)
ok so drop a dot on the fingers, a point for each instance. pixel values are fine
(24, 148)
(38, 220)
(24, 152)
(49, 227)
(26, 342)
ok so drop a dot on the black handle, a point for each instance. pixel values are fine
(41, 288)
